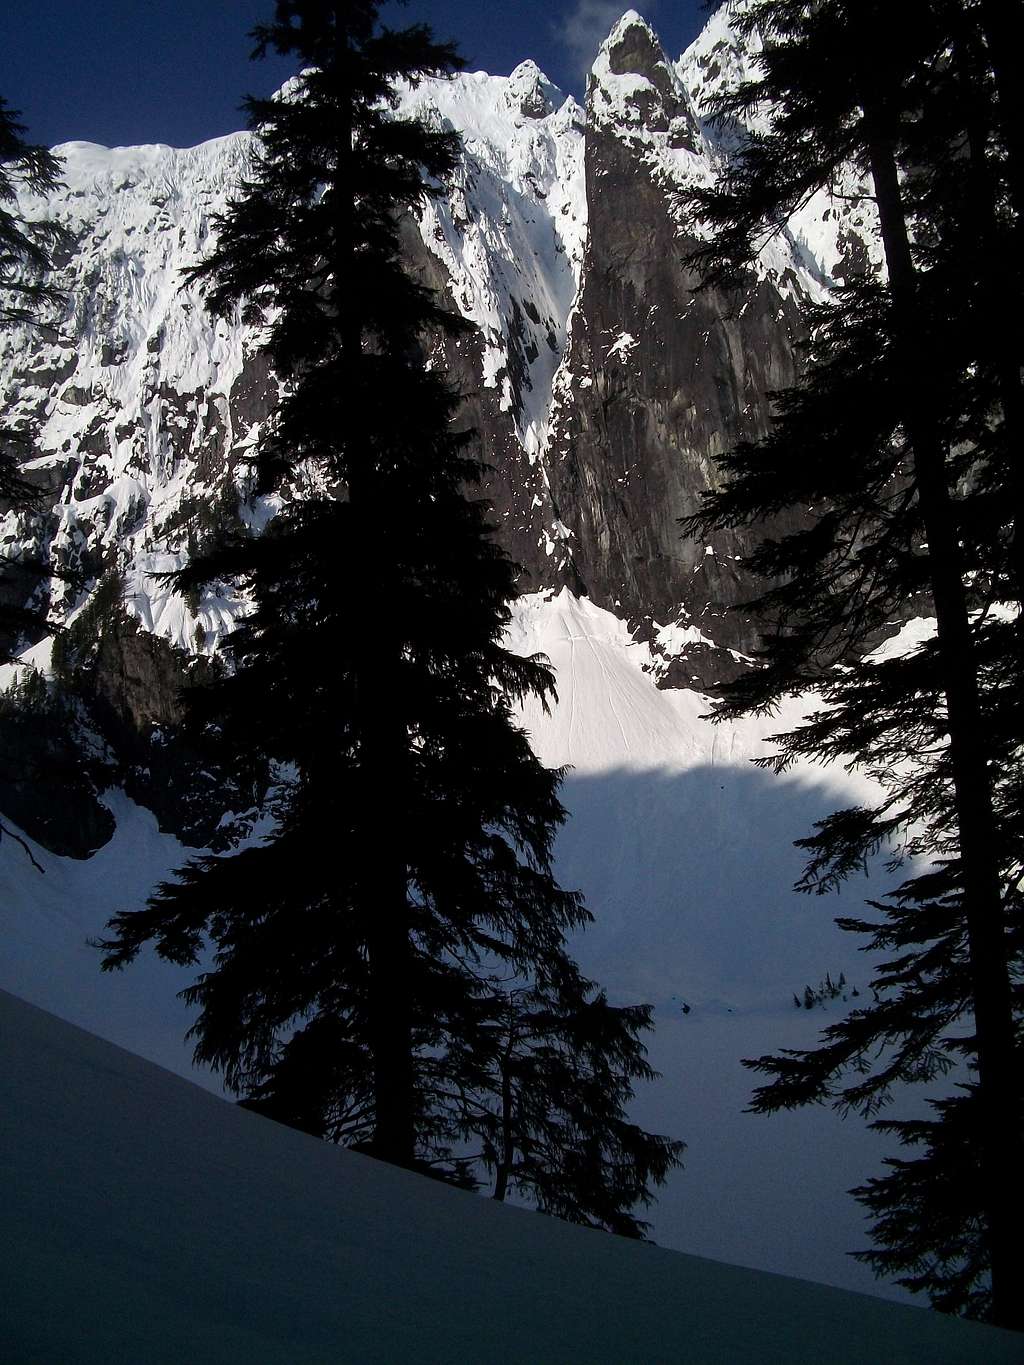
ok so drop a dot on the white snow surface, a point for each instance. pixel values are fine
(683, 851)
(146, 1220)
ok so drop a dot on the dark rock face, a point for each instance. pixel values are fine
(664, 380)
(132, 691)
(138, 675)
(47, 789)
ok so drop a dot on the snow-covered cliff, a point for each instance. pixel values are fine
(600, 386)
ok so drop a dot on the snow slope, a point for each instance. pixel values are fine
(48, 918)
(684, 854)
(146, 1220)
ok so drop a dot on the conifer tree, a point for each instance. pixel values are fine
(533, 1095)
(26, 255)
(901, 442)
(26, 248)
(552, 1114)
(358, 949)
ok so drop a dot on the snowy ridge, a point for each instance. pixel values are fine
(133, 391)
(659, 114)
(834, 230)
(146, 406)
(652, 110)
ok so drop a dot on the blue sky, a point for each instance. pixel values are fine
(129, 71)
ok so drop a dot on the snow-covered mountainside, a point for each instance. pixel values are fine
(601, 389)
(213, 1234)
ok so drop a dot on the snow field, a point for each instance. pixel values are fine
(146, 1220)
(683, 851)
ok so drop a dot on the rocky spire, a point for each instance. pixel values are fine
(633, 84)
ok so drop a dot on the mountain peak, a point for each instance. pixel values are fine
(633, 47)
(530, 91)
(632, 80)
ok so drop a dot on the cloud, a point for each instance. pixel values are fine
(585, 28)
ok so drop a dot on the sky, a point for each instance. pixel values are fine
(121, 72)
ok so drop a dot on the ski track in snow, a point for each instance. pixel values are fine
(612, 687)
(572, 691)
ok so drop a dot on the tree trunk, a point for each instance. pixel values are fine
(999, 1142)
(1001, 345)
(383, 881)
(385, 906)
(508, 1146)
(380, 879)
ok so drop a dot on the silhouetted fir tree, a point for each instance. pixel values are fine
(356, 948)
(930, 1230)
(533, 1089)
(552, 1113)
(26, 255)
(26, 247)
(901, 442)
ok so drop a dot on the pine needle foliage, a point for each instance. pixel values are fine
(901, 444)
(362, 951)
(26, 246)
(27, 297)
